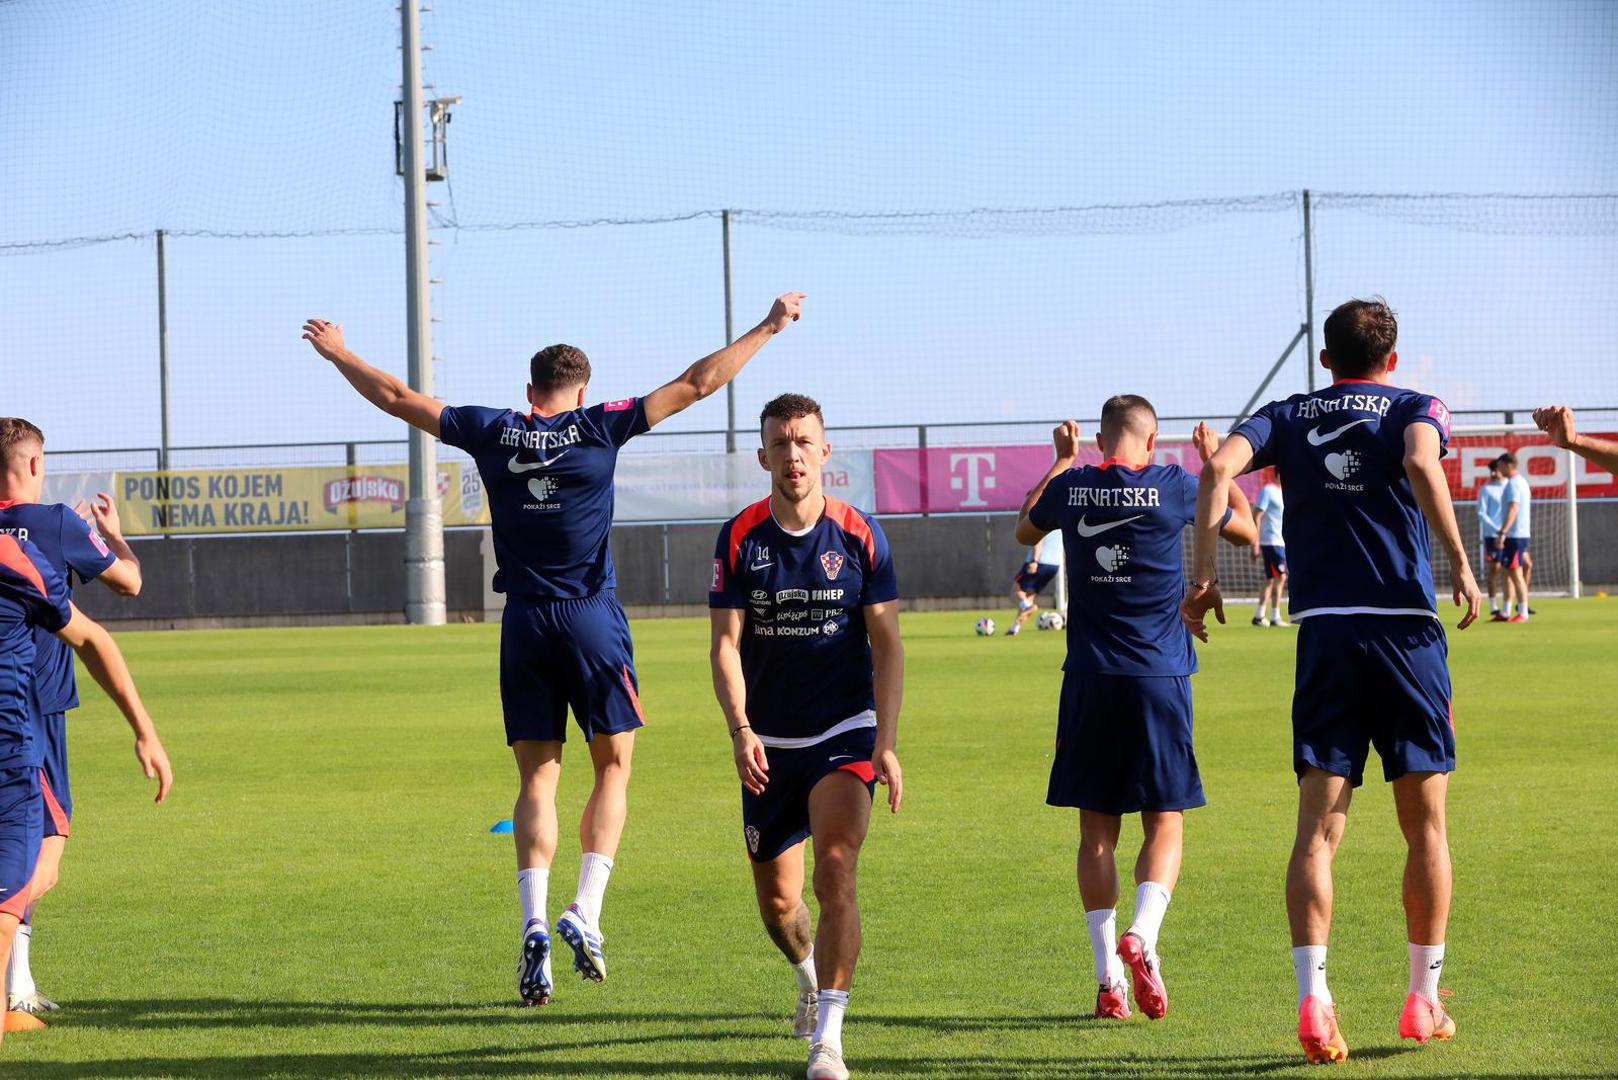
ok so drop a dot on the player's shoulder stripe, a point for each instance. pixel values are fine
(744, 523)
(15, 559)
(852, 522)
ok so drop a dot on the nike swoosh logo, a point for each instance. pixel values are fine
(1317, 439)
(521, 466)
(1086, 530)
(842, 757)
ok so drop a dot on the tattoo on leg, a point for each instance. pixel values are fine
(793, 937)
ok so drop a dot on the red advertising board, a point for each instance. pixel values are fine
(987, 479)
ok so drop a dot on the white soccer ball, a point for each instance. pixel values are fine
(985, 627)
(1051, 620)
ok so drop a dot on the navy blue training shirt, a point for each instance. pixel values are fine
(33, 597)
(1356, 541)
(73, 549)
(549, 481)
(806, 657)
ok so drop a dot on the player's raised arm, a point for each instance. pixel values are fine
(1065, 437)
(1241, 527)
(1431, 489)
(725, 656)
(1557, 422)
(387, 392)
(1213, 496)
(888, 683)
(122, 577)
(105, 662)
(713, 371)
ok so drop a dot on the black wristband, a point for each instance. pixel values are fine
(739, 728)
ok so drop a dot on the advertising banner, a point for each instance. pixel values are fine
(1545, 466)
(685, 487)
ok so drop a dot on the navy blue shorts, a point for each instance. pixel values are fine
(1123, 744)
(1513, 550)
(1275, 559)
(21, 809)
(560, 653)
(1372, 680)
(1491, 549)
(1035, 583)
(58, 796)
(779, 818)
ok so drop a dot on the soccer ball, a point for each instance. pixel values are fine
(985, 627)
(1051, 620)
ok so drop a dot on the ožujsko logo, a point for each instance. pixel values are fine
(363, 489)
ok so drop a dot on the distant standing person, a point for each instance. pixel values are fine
(1271, 547)
(1491, 516)
(1514, 536)
(1038, 573)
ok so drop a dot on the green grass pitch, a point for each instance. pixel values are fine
(321, 898)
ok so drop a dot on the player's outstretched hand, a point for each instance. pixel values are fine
(1065, 437)
(886, 765)
(752, 766)
(1467, 593)
(154, 762)
(104, 513)
(327, 338)
(1205, 440)
(786, 310)
(1196, 605)
(1557, 422)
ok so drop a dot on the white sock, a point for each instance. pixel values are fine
(1309, 964)
(1103, 924)
(805, 971)
(531, 888)
(19, 979)
(1151, 903)
(1494, 605)
(1426, 965)
(593, 872)
(829, 1028)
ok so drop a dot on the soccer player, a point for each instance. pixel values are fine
(1557, 422)
(1360, 464)
(1268, 511)
(1514, 535)
(74, 549)
(33, 596)
(1490, 519)
(564, 640)
(1044, 562)
(809, 673)
(1123, 739)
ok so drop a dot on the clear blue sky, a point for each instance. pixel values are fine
(232, 118)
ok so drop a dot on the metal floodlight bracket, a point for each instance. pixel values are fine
(438, 115)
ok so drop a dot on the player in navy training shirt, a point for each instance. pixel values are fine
(34, 598)
(75, 550)
(564, 641)
(1123, 738)
(809, 672)
(1360, 468)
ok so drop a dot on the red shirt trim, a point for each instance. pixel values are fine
(13, 556)
(1121, 463)
(851, 522)
(746, 522)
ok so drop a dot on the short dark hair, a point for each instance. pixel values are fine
(1360, 336)
(558, 367)
(790, 407)
(1494, 465)
(15, 433)
(1506, 459)
(1126, 411)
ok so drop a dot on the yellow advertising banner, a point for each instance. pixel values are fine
(287, 500)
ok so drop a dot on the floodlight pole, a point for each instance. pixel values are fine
(163, 352)
(730, 336)
(424, 519)
(1309, 356)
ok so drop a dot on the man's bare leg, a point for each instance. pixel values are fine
(839, 814)
(778, 884)
(1098, 892)
(1419, 798)
(533, 830)
(16, 974)
(600, 828)
(1323, 800)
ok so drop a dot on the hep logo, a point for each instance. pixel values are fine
(978, 477)
(1343, 465)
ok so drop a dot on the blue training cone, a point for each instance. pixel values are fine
(502, 826)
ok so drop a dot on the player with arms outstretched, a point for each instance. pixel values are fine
(564, 640)
(1123, 740)
(33, 598)
(75, 550)
(1360, 464)
(809, 673)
